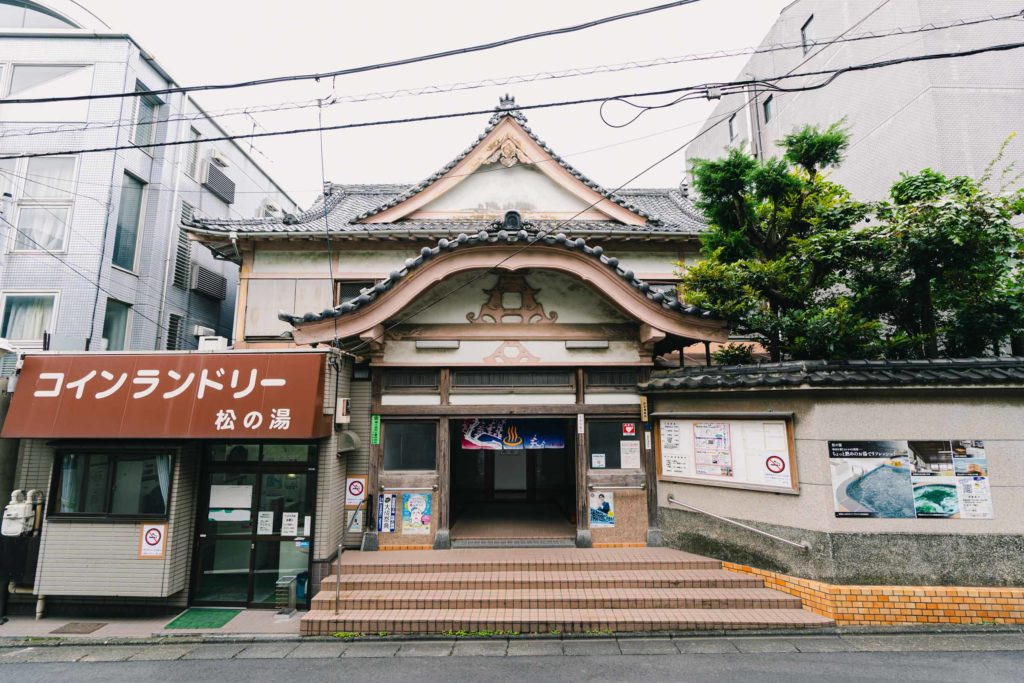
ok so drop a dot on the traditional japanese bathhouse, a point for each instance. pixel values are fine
(499, 316)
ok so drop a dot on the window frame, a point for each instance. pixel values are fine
(568, 388)
(591, 388)
(134, 270)
(768, 108)
(114, 452)
(54, 294)
(805, 43)
(128, 319)
(732, 127)
(192, 154)
(383, 446)
(636, 437)
(390, 374)
(156, 102)
(49, 204)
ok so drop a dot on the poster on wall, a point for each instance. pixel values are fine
(602, 509)
(740, 453)
(386, 504)
(629, 452)
(910, 479)
(495, 434)
(712, 448)
(416, 513)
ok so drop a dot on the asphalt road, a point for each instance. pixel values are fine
(790, 667)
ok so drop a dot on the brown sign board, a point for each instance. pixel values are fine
(170, 395)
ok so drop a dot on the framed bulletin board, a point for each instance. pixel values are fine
(736, 451)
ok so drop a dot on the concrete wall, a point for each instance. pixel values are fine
(862, 550)
(950, 115)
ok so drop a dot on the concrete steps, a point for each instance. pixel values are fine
(544, 590)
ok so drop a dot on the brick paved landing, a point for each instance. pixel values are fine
(543, 590)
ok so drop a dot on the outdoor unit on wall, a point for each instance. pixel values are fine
(219, 159)
(208, 283)
(218, 182)
(202, 331)
(213, 344)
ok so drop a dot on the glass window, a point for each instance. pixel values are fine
(350, 289)
(410, 445)
(732, 127)
(805, 35)
(49, 178)
(41, 81)
(41, 228)
(128, 218)
(617, 378)
(23, 14)
(27, 316)
(7, 170)
(192, 153)
(123, 484)
(145, 119)
(284, 452)
(233, 452)
(410, 379)
(512, 378)
(115, 324)
(606, 441)
(769, 109)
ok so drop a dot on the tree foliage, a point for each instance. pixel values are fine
(794, 261)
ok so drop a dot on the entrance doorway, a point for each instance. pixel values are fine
(513, 479)
(254, 523)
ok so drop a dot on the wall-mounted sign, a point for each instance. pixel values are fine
(152, 541)
(629, 454)
(290, 524)
(386, 504)
(602, 509)
(495, 434)
(743, 453)
(355, 490)
(375, 430)
(265, 523)
(175, 395)
(629, 429)
(911, 479)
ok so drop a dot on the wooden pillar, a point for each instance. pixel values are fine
(654, 535)
(442, 503)
(583, 538)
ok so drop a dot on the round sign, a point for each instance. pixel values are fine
(153, 537)
(775, 464)
(355, 488)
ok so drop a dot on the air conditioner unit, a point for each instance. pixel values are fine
(219, 159)
(213, 344)
(208, 283)
(201, 331)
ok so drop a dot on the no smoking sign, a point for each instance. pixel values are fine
(152, 541)
(355, 491)
(775, 464)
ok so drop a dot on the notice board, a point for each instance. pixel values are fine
(737, 452)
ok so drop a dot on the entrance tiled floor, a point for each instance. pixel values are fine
(512, 520)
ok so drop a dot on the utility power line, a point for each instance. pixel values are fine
(369, 67)
(710, 90)
(498, 81)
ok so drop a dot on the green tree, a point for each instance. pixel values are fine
(765, 269)
(940, 266)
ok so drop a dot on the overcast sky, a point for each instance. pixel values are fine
(211, 41)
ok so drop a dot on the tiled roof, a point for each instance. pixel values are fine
(667, 211)
(853, 373)
(495, 235)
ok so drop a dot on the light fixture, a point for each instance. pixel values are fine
(435, 344)
(586, 344)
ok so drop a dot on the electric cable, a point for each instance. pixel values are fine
(718, 88)
(369, 67)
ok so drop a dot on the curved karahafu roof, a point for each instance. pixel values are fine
(381, 210)
(512, 250)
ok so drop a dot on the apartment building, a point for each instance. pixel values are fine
(950, 115)
(93, 254)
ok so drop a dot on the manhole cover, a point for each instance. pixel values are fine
(80, 627)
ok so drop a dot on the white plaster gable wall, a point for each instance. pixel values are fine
(574, 301)
(495, 189)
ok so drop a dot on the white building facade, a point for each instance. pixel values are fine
(950, 115)
(93, 254)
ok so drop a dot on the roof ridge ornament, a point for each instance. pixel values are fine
(507, 107)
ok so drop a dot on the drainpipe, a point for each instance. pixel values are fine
(171, 249)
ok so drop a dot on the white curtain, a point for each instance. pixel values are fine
(41, 227)
(27, 317)
(50, 178)
(163, 475)
(69, 484)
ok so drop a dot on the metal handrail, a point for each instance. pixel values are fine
(803, 545)
(341, 549)
(598, 487)
(407, 488)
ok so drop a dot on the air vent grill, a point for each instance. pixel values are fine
(174, 325)
(218, 182)
(209, 283)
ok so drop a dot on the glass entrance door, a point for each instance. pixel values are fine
(255, 523)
